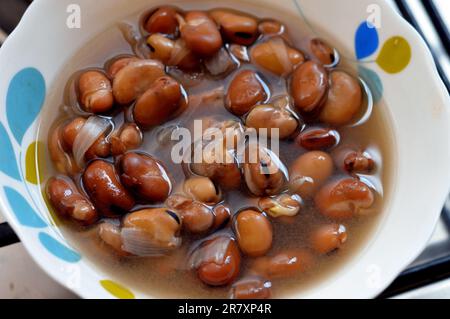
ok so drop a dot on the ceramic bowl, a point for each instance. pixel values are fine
(388, 53)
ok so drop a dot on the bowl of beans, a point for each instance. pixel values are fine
(221, 149)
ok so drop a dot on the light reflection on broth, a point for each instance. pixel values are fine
(151, 275)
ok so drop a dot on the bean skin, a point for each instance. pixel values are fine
(220, 273)
(344, 199)
(136, 78)
(161, 102)
(327, 238)
(197, 218)
(144, 176)
(245, 91)
(236, 28)
(202, 189)
(254, 232)
(105, 190)
(344, 99)
(163, 20)
(201, 34)
(95, 93)
(111, 235)
(63, 162)
(309, 86)
(284, 265)
(318, 139)
(309, 171)
(69, 202)
(269, 117)
(253, 287)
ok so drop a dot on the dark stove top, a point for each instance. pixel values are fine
(432, 269)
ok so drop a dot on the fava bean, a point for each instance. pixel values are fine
(128, 138)
(202, 189)
(327, 238)
(163, 20)
(318, 138)
(105, 190)
(271, 27)
(119, 64)
(270, 117)
(95, 93)
(344, 198)
(222, 216)
(323, 52)
(236, 28)
(253, 287)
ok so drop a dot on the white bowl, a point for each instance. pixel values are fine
(418, 105)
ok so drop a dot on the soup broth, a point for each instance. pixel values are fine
(170, 276)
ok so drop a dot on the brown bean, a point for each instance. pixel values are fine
(202, 189)
(236, 27)
(318, 139)
(63, 162)
(309, 86)
(111, 235)
(100, 148)
(245, 91)
(145, 177)
(327, 238)
(254, 232)
(162, 48)
(161, 102)
(197, 218)
(240, 52)
(105, 190)
(276, 57)
(136, 78)
(358, 162)
(264, 172)
(282, 206)
(270, 117)
(344, 99)
(119, 64)
(201, 34)
(163, 20)
(284, 265)
(323, 52)
(271, 27)
(69, 202)
(128, 138)
(222, 216)
(251, 288)
(95, 93)
(220, 272)
(308, 172)
(343, 199)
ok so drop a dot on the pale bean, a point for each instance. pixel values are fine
(95, 92)
(327, 238)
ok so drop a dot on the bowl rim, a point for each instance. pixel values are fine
(32, 13)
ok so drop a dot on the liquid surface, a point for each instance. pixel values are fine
(167, 276)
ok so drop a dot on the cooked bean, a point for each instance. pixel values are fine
(119, 64)
(162, 20)
(162, 48)
(318, 139)
(215, 267)
(220, 64)
(110, 234)
(323, 52)
(270, 117)
(64, 163)
(276, 57)
(309, 172)
(281, 206)
(69, 202)
(202, 189)
(353, 161)
(284, 265)
(222, 216)
(236, 28)
(245, 91)
(136, 78)
(251, 288)
(128, 138)
(344, 99)
(254, 232)
(201, 34)
(329, 237)
(224, 172)
(240, 52)
(101, 147)
(264, 172)
(105, 190)
(309, 86)
(95, 93)
(197, 218)
(161, 102)
(145, 177)
(271, 27)
(344, 198)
